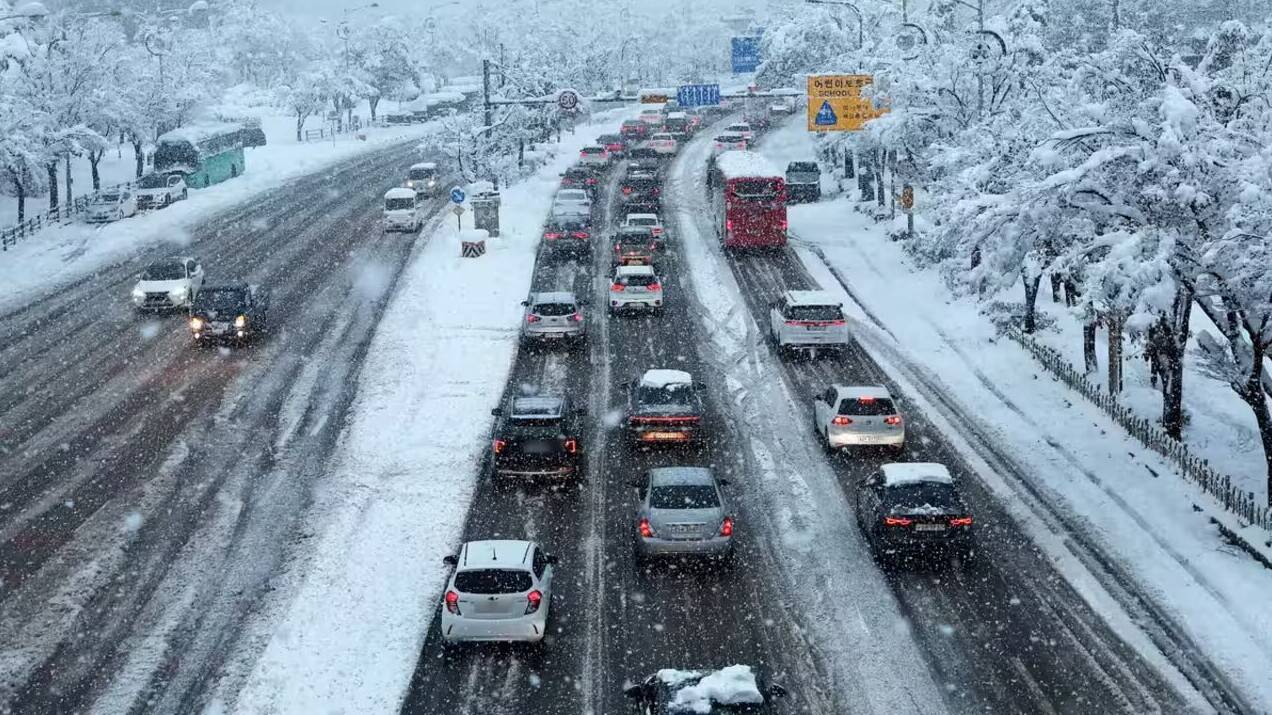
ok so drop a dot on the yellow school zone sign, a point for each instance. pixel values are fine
(835, 103)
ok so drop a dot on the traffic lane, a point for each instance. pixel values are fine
(262, 383)
(1009, 633)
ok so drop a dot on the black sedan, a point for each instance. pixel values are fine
(914, 509)
(230, 313)
(538, 437)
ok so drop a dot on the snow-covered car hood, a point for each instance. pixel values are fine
(163, 286)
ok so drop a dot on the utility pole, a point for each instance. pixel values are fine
(485, 90)
(980, 71)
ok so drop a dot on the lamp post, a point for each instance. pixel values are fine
(861, 24)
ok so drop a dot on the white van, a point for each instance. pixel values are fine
(423, 178)
(400, 211)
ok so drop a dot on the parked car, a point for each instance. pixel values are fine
(803, 181)
(111, 205)
(538, 437)
(915, 509)
(683, 511)
(423, 178)
(635, 287)
(614, 144)
(553, 317)
(808, 319)
(664, 407)
(571, 203)
(401, 212)
(729, 142)
(567, 235)
(581, 177)
(858, 416)
(594, 156)
(732, 690)
(169, 283)
(230, 313)
(634, 245)
(663, 143)
(159, 190)
(501, 590)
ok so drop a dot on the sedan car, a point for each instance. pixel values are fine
(634, 246)
(729, 142)
(170, 283)
(581, 177)
(742, 128)
(640, 193)
(571, 203)
(727, 691)
(110, 205)
(649, 221)
(501, 590)
(663, 143)
(808, 319)
(664, 407)
(858, 416)
(537, 437)
(567, 235)
(230, 313)
(682, 511)
(595, 156)
(634, 130)
(635, 288)
(614, 144)
(553, 317)
(914, 509)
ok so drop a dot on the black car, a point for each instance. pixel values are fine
(615, 144)
(229, 313)
(735, 689)
(538, 437)
(581, 177)
(634, 245)
(643, 158)
(665, 407)
(803, 181)
(640, 194)
(568, 235)
(915, 509)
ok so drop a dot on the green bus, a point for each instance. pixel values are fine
(206, 153)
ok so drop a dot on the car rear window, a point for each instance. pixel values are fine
(633, 237)
(755, 189)
(489, 581)
(675, 394)
(554, 309)
(920, 495)
(594, 150)
(683, 496)
(609, 139)
(399, 204)
(867, 406)
(802, 166)
(640, 183)
(814, 312)
(638, 280)
(642, 221)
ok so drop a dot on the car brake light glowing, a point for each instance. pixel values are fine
(498, 445)
(532, 318)
(618, 288)
(572, 446)
(728, 224)
(726, 526)
(645, 531)
(533, 599)
(897, 521)
(655, 286)
(783, 224)
(961, 521)
(577, 317)
(591, 181)
(627, 189)
(893, 420)
(841, 421)
(582, 234)
(452, 602)
(866, 400)
(553, 235)
(657, 231)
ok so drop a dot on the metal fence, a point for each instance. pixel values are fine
(1237, 501)
(64, 213)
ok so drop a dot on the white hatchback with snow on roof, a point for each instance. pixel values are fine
(808, 319)
(501, 590)
(635, 287)
(858, 416)
(400, 210)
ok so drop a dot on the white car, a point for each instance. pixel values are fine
(653, 117)
(596, 157)
(571, 203)
(808, 319)
(858, 416)
(635, 287)
(170, 283)
(730, 142)
(741, 128)
(111, 205)
(159, 190)
(649, 221)
(664, 144)
(423, 178)
(501, 590)
(401, 212)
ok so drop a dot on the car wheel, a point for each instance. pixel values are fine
(185, 194)
(167, 201)
(826, 442)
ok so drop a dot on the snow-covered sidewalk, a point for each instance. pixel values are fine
(1127, 498)
(355, 611)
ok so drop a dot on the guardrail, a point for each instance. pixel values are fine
(11, 235)
(1239, 502)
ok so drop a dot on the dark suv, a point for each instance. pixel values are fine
(641, 194)
(538, 437)
(733, 690)
(914, 509)
(664, 407)
(567, 234)
(634, 246)
(230, 313)
(581, 177)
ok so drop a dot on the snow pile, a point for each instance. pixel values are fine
(665, 378)
(745, 164)
(734, 685)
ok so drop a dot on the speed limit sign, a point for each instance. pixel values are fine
(567, 100)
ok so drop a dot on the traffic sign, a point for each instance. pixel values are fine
(698, 95)
(457, 195)
(567, 100)
(745, 54)
(907, 197)
(835, 103)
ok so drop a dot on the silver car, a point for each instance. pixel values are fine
(683, 511)
(555, 316)
(858, 416)
(501, 590)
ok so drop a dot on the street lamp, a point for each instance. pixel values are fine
(861, 24)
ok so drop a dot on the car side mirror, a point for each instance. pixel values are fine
(451, 560)
(497, 412)
(525, 302)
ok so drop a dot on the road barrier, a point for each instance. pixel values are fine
(1239, 502)
(11, 235)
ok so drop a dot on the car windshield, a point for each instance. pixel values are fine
(552, 310)
(399, 204)
(867, 406)
(922, 495)
(168, 271)
(493, 581)
(421, 174)
(152, 181)
(219, 300)
(683, 496)
(813, 312)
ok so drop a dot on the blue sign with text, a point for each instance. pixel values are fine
(698, 95)
(746, 54)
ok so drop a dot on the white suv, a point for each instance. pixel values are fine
(858, 416)
(500, 591)
(635, 287)
(808, 319)
(169, 283)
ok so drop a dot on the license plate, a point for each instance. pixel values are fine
(552, 336)
(929, 527)
(638, 289)
(664, 435)
(219, 327)
(683, 529)
(816, 328)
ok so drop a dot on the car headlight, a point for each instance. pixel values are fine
(138, 293)
(177, 292)
(432, 182)
(196, 324)
(410, 184)
(240, 322)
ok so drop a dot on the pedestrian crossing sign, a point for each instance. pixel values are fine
(835, 103)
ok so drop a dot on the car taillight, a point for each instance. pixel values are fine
(897, 521)
(618, 288)
(533, 599)
(657, 191)
(532, 318)
(572, 446)
(961, 521)
(498, 445)
(577, 317)
(627, 189)
(582, 234)
(726, 526)
(554, 235)
(645, 531)
(837, 322)
(893, 420)
(655, 286)
(591, 182)
(728, 224)
(841, 421)
(783, 224)
(657, 231)
(452, 602)
(653, 246)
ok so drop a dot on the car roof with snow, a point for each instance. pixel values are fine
(659, 377)
(811, 297)
(634, 271)
(746, 164)
(665, 476)
(501, 553)
(700, 691)
(424, 165)
(537, 406)
(554, 296)
(899, 473)
(399, 192)
(870, 392)
(572, 195)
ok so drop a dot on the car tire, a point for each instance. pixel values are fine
(185, 194)
(825, 440)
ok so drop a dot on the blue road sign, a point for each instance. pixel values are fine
(826, 116)
(457, 195)
(746, 54)
(698, 95)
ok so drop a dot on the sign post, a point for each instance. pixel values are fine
(835, 103)
(457, 198)
(698, 95)
(459, 212)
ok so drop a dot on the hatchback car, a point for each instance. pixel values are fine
(111, 205)
(914, 509)
(170, 283)
(614, 144)
(858, 416)
(664, 143)
(567, 235)
(808, 319)
(729, 142)
(635, 287)
(741, 128)
(537, 437)
(649, 221)
(633, 130)
(664, 407)
(682, 511)
(634, 245)
(501, 590)
(553, 317)
(581, 177)
(641, 193)
(595, 156)
(730, 690)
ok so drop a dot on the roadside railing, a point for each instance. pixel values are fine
(64, 213)
(1239, 502)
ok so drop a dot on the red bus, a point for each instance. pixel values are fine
(748, 200)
